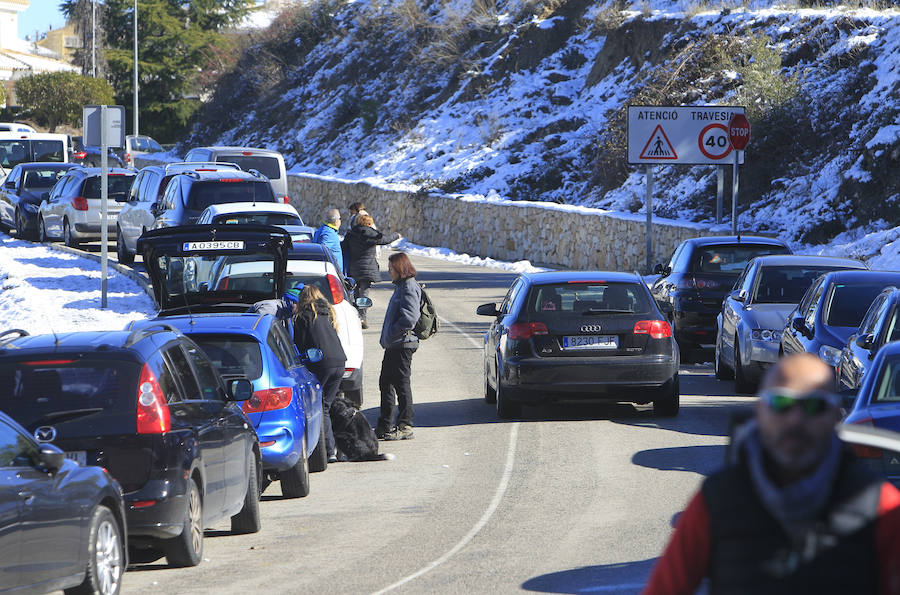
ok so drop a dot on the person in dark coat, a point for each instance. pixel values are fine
(316, 327)
(359, 255)
(399, 343)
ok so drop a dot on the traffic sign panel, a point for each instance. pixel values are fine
(713, 141)
(690, 135)
(739, 131)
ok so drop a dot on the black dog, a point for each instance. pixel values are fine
(354, 437)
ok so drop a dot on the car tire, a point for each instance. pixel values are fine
(506, 409)
(355, 397)
(122, 253)
(668, 402)
(69, 239)
(318, 462)
(741, 383)
(248, 519)
(43, 238)
(106, 556)
(187, 549)
(490, 395)
(295, 481)
(722, 371)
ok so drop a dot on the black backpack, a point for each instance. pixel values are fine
(428, 323)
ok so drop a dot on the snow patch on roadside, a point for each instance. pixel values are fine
(521, 266)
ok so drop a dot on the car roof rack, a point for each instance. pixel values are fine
(144, 332)
(192, 165)
(13, 331)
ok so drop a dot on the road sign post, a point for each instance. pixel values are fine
(649, 206)
(738, 137)
(720, 192)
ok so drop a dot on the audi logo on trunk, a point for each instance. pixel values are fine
(45, 434)
(590, 328)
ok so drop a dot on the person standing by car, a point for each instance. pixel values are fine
(359, 253)
(315, 327)
(355, 209)
(327, 234)
(399, 343)
(283, 309)
(794, 511)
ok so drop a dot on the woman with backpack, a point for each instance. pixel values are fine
(359, 255)
(399, 343)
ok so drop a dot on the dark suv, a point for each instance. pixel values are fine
(188, 193)
(151, 408)
(699, 275)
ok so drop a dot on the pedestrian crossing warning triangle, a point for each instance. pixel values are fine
(658, 147)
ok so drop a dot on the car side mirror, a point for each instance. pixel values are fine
(487, 310)
(865, 341)
(122, 198)
(11, 185)
(51, 458)
(240, 389)
(659, 269)
(742, 296)
(363, 303)
(45, 196)
(155, 210)
(799, 324)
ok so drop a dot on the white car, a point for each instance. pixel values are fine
(280, 215)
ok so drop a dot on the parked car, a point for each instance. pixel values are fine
(149, 407)
(138, 145)
(21, 195)
(877, 405)
(142, 204)
(15, 127)
(697, 278)
(62, 525)
(831, 311)
(71, 211)
(286, 406)
(92, 156)
(579, 335)
(27, 147)
(754, 313)
(879, 326)
(268, 163)
(189, 193)
(284, 216)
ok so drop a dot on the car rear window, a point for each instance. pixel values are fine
(785, 284)
(729, 259)
(118, 184)
(259, 219)
(204, 194)
(232, 354)
(319, 281)
(42, 178)
(585, 299)
(55, 388)
(267, 166)
(14, 152)
(849, 303)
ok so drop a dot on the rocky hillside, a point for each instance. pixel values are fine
(525, 99)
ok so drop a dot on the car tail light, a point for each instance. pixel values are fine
(349, 372)
(246, 152)
(111, 175)
(80, 203)
(267, 443)
(231, 180)
(80, 154)
(223, 284)
(686, 283)
(522, 331)
(657, 329)
(337, 292)
(143, 503)
(152, 410)
(286, 199)
(127, 157)
(861, 450)
(268, 400)
(49, 362)
(706, 284)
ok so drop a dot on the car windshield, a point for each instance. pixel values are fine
(889, 382)
(36, 179)
(849, 304)
(729, 259)
(564, 300)
(51, 389)
(267, 166)
(204, 194)
(785, 284)
(117, 184)
(259, 219)
(237, 355)
(14, 152)
(199, 279)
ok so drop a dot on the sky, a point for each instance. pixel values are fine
(41, 15)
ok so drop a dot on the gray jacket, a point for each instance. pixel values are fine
(280, 308)
(402, 315)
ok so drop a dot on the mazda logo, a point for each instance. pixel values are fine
(590, 328)
(45, 434)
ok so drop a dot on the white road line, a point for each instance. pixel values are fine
(461, 332)
(492, 507)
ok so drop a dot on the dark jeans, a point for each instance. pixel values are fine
(362, 290)
(396, 368)
(330, 379)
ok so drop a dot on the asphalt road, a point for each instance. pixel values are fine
(566, 500)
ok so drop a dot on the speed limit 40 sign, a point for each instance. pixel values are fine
(697, 135)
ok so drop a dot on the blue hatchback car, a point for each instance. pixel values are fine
(286, 407)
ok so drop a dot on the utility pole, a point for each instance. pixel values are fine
(135, 69)
(94, 38)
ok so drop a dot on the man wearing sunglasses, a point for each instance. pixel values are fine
(793, 512)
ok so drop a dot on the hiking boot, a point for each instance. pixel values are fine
(403, 432)
(384, 434)
(364, 324)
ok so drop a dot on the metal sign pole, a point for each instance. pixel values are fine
(104, 197)
(720, 192)
(649, 205)
(734, 194)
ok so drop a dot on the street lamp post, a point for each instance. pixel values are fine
(135, 70)
(94, 38)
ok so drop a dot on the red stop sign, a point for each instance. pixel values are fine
(739, 131)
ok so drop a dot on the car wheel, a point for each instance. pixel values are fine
(490, 395)
(70, 240)
(318, 462)
(506, 409)
(122, 253)
(248, 520)
(295, 481)
(741, 383)
(669, 401)
(355, 397)
(42, 231)
(722, 371)
(106, 556)
(187, 548)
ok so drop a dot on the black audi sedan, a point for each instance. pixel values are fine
(699, 275)
(879, 326)
(579, 336)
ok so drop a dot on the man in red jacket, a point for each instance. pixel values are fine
(794, 512)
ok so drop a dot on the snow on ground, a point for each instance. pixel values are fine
(521, 266)
(44, 290)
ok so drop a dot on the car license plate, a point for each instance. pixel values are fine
(590, 342)
(79, 456)
(223, 245)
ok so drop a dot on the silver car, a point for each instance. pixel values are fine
(71, 210)
(753, 315)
